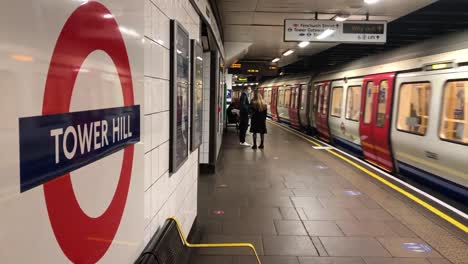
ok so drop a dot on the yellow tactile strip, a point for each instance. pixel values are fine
(450, 246)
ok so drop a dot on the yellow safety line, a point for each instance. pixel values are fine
(213, 245)
(389, 184)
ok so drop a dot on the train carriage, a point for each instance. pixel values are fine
(404, 111)
(430, 127)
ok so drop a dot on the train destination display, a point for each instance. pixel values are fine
(367, 32)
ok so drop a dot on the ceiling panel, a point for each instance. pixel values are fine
(238, 18)
(237, 5)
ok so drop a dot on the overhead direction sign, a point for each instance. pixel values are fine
(365, 32)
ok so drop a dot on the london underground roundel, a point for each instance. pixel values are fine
(85, 239)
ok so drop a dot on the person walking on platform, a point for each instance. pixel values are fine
(258, 121)
(244, 108)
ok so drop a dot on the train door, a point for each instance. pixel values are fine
(293, 108)
(321, 113)
(302, 107)
(376, 103)
(274, 103)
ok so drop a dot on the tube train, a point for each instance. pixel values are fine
(405, 111)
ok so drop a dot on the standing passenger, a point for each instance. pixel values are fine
(258, 122)
(244, 115)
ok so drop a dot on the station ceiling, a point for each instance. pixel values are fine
(260, 23)
(435, 20)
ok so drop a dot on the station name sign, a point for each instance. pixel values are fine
(365, 32)
(53, 145)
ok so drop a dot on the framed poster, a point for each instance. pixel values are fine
(196, 95)
(179, 96)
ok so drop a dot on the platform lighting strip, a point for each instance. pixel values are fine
(303, 44)
(429, 207)
(325, 34)
(341, 18)
(288, 52)
(213, 245)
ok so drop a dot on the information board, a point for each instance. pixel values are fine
(196, 95)
(365, 32)
(179, 96)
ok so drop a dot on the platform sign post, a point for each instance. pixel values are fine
(359, 32)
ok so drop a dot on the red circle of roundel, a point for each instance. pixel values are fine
(85, 239)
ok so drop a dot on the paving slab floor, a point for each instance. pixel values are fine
(300, 205)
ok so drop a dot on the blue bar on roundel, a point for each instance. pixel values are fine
(53, 145)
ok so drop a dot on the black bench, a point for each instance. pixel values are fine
(169, 246)
(165, 247)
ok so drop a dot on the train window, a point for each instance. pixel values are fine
(324, 100)
(353, 103)
(287, 98)
(293, 97)
(296, 97)
(455, 107)
(337, 101)
(413, 107)
(318, 97)
(382, 103)
(369, 102)
(303, 96)
(281, 98)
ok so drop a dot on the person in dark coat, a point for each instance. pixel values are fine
(244, 107)
(258, 121)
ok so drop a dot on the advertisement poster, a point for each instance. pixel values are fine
(196, 95)
(179, 95)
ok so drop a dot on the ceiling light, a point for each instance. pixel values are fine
(199, 58)
(341, 18)
(304, 44)
(370, 2)
(275, 60)
(108, 16)
(326, 34)
(21, 57)
(178, 51)
(288, 52)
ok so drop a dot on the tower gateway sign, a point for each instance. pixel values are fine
(364, 32)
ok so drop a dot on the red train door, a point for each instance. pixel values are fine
(376, 104)
(274, 102)
(293, 108)
(321, 115)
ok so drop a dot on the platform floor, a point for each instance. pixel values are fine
(298, 204)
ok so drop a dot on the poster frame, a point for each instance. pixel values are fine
(196, 51)
(176, 29)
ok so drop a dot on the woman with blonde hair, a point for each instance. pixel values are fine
(258, 120)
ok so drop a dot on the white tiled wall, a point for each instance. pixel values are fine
(204, 147)
(175, 195)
